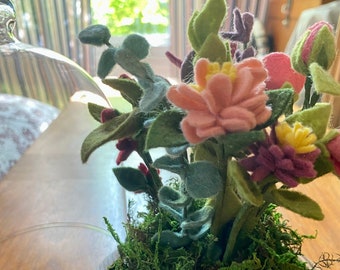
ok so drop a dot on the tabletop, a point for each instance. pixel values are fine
(52, 206)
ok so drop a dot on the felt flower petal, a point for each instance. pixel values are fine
(201, 70)
(185, 97)
(280, 72)
(217, 95)
(200, 119)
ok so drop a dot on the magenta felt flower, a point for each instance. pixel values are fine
(108, 114)
(125, 146)
(333, 147)
(226, 98)
(280, 72)
(270, 158)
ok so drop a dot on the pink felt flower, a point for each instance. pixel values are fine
(316, 45)
(280, 72)
(226, 98)
(333, 147)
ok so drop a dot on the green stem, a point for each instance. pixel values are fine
(156, 183)
(245, 215)
(308, 92)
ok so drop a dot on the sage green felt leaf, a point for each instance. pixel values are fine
(209, 19)
(172, 239)
(129, 62)
(235, 143)
(137, 44)
(176, 165)
(173, 198)
(131, 179)
(106, 62)
(214, 49)
(246, 188)
(202, 180)
(281, 102)
(129, 89)
(323, 81)
(198, 218)
(198, 222)
(177, 150)
(153, 96)
(297, 202)
(311, 118)
(97, 35)
(124, 125)
(95, 110)
(165, 131)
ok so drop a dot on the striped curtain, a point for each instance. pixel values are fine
(55, 24)
(180, 12)
(28, 69)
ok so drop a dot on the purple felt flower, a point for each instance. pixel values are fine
(243, 25)
(283, 162)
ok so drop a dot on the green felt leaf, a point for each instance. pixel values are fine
(95, 110)
(106, 62)
(209, 20)
(131, 179)
(297, 202)
(202, 180)
(129, 89)
(129, 62)
(97, 35)
(153, 96)
(281, 102)
(173, 198)
(311, 118)
(246, 188)
(137, 44)
(172, 239)
(125, 125)
(172, 164)
(208, 150)
(235, 143)
(195, 44)
(323, 81)
(198, 218)
(296, 56)
(165, 131)
(323, 48)
(214, 49)
(198, 222)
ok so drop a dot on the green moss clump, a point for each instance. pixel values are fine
(272, 245)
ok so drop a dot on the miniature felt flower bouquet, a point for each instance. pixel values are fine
(234, 140)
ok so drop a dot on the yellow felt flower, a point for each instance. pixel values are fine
(301, 138)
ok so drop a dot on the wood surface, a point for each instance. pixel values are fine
(274, 26)
(51, 205)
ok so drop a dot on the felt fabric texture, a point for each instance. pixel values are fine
(323, 81)
(333, 147)
(280, 72)
(316, 45)
(226, 99)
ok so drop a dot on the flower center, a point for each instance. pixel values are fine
(301, 138)
(227, 68)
